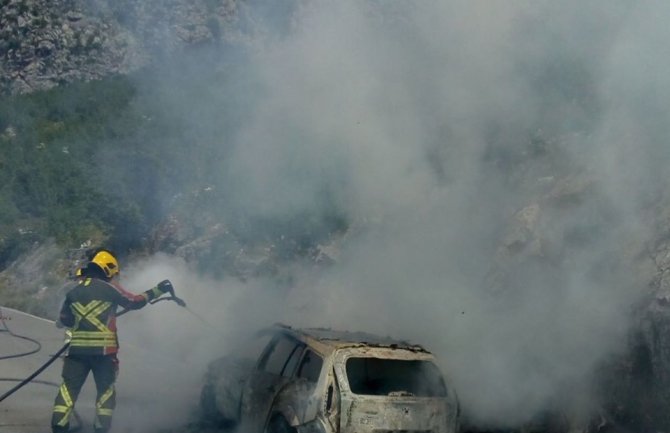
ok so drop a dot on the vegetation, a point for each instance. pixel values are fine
(51, 147)
(108, 160)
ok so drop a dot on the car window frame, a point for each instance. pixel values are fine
(302, 358)
(269, 349)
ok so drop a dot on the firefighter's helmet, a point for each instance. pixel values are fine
(107, 263)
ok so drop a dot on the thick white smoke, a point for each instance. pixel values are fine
(165, 348)
(392, 109)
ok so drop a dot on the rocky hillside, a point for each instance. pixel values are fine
(266, 166)
(633, 383)
(45, 43)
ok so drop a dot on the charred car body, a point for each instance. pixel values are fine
(323, 381)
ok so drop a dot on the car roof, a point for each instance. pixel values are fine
(339, 339)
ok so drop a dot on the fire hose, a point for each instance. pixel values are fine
(65, 346)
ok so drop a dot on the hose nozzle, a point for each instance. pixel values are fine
(179, 301)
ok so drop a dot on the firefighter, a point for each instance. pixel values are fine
(89, 311)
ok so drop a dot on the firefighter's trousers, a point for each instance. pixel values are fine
(75, 371)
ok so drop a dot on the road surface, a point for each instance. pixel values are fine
(156, 391)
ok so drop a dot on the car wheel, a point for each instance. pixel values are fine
(279, 425)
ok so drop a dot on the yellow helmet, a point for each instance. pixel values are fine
(107, 262)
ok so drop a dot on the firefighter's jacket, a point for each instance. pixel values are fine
(90, 311)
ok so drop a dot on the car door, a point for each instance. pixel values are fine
(309, 371)
(273, 371)
(299, 401)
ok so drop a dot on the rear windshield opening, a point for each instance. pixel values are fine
(375, 376)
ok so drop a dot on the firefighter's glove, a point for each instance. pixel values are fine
(165, 286)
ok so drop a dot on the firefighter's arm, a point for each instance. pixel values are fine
(161, 288)
(131, 301)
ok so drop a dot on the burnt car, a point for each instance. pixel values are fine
(325, 381)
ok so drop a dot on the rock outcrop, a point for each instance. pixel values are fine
(636, 387)
(551, 234)
(45, 43)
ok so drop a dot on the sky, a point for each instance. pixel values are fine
(430, 125)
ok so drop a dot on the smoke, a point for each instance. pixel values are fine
(393, 111)
(165, 348)
(428, 125)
